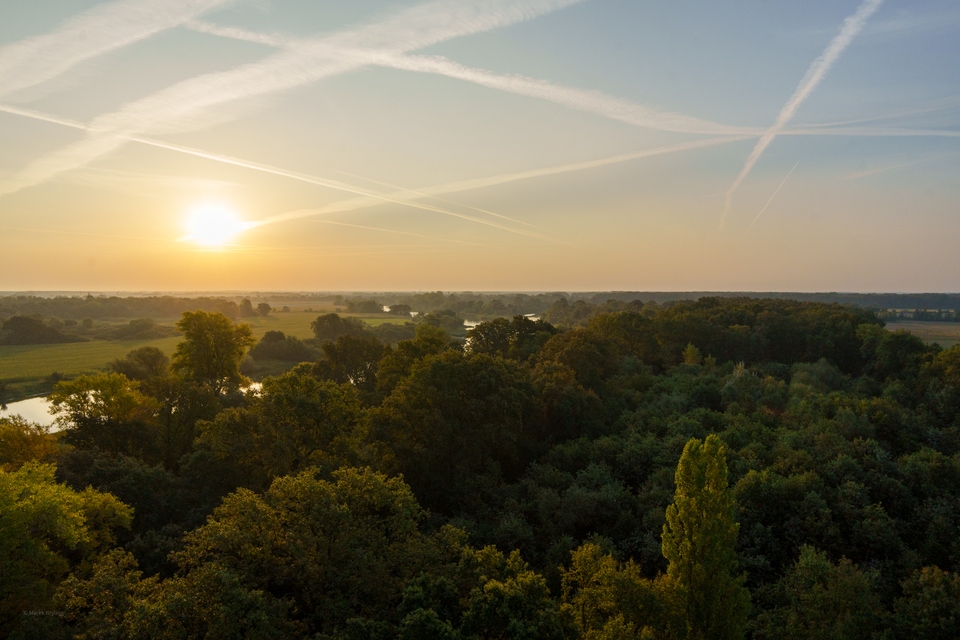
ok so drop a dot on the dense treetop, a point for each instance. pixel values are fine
(724, 468)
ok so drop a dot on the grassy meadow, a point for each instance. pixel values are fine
(946, 334)
(25, 368)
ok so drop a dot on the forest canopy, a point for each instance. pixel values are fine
(725, 468)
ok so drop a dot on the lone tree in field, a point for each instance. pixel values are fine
(699, 541)
(212, 350)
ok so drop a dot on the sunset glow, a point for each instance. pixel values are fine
(532, 145)
(213, 226)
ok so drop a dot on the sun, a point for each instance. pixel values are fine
(213, 226)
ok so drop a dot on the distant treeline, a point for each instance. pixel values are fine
(481, 305)
(98, 307)
(921, 315)
(466, 305)
(469, 305)
(869, 300)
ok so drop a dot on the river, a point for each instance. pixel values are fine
(35, 410)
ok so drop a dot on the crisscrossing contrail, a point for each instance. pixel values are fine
(815, 74)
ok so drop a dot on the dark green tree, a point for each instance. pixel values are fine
(820, 600)
(492, 337)
(144, 364)
(930, 606)
(455, 426)
(246, 309)
(296, 422)
(331, 326)
(353, 359)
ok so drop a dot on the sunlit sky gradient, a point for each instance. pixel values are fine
(802, 145)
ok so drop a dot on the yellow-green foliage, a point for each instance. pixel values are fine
(46, 529)
(699, 542)
(21, 442)
(607, 600)
(97, 399)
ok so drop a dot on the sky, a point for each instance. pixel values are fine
(483, 145)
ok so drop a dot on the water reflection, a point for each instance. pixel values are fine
(36, 410)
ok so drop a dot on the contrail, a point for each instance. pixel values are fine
(871, 132)
(892, 167)
(945, 104)
(415, 193)
(479, 183)
(594, 102)
(402, 233)
(772, 197)
(402, 198)
(851, 27)
(203, 100)
(102, 29)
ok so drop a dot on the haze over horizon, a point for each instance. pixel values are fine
(480, 145)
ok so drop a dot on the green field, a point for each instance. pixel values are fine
(39, 360)
(946, 334)
(30, 362)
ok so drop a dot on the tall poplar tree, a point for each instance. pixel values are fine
(699, 541)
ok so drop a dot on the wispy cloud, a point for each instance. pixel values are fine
(104, 28)
(772, 197)
(594, 102)
(404, 197)
(815, 74)
(948, 103)
(913, 23)
(892, 167)
(492, 181)
(140, 183)
(872, 132)
(216, 97)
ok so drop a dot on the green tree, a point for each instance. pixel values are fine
(331, 326)
(820, 600)
(117, 602)
(212, 350)
(297, 421)
(510, 601)
(607, 599)
(353, 359)
(22, 441)
(518, 338)
(330, 550)
(691, 355)
(453, 427)
(264, 309)
(246, 309)
(930, 606)
(397, 362)
(492, 337)
(105, 410)
(182, 403)
(699, 542)
(143, 364)
(45, 530)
